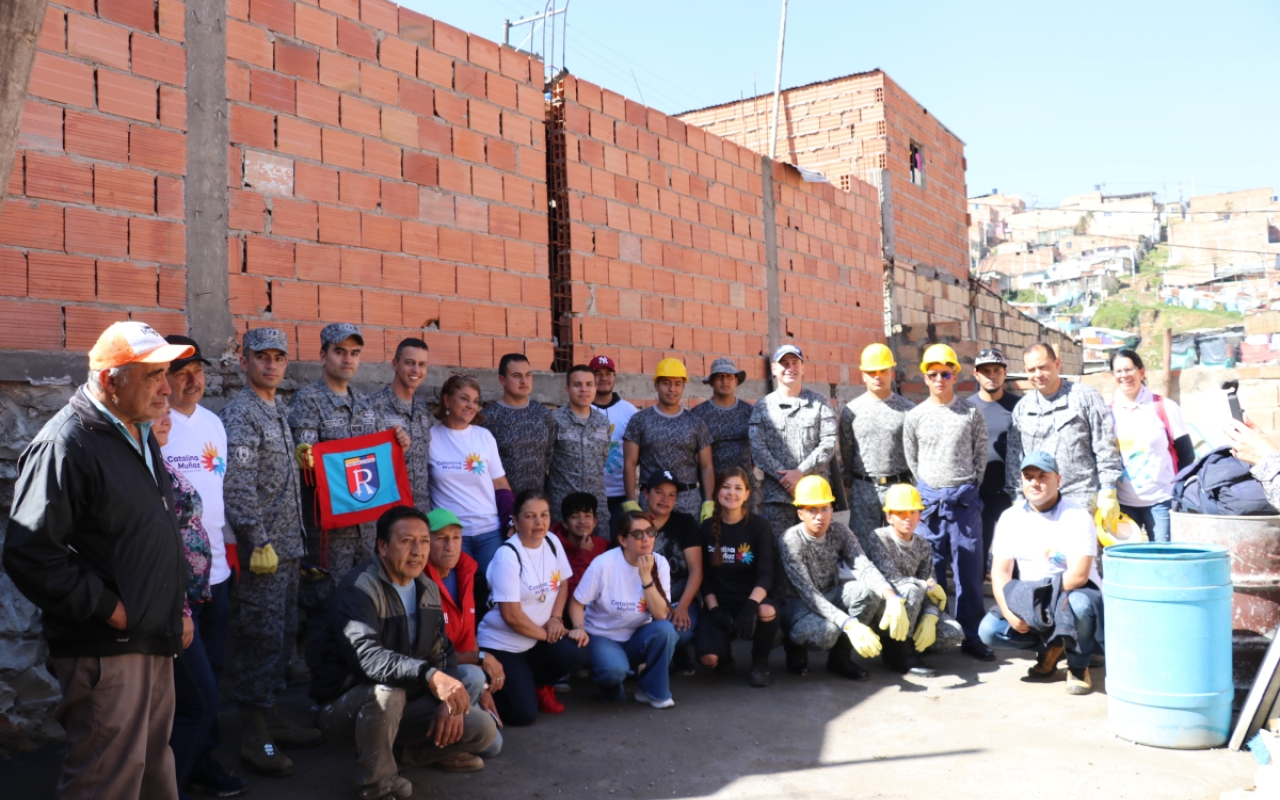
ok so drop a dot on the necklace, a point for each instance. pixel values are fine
(542, 569)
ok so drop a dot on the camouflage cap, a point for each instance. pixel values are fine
(338, 332)
(259, 339)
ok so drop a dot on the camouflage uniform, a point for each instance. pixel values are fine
(909, 567)
(731, 441)
(790, 433)
(261, 494)
(871, 450)
(416, 420)
(316, 414)
(526, 437)
(815, 602)
(577, 463)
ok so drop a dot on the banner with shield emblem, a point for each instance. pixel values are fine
(359, 478)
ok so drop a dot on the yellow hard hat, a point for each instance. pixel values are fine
(670, 368)
(902, 497)
(813, 490)
(939, 354)
(877, 357)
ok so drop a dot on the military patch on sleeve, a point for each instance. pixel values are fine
(308, 436)
(244, 454)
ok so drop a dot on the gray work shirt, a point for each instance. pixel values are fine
(946, 444)
(526, 436)
(416, 420)
(261, 491)
(871, 436)
(811, 566)
(791, 433)
(577, 463)
(1074, 426)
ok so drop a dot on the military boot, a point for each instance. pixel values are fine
(257, 750)
(286, 734)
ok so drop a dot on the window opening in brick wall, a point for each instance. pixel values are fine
(917, 164)
(558, 229)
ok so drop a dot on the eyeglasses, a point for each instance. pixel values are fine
(940, 376)
(647, 533)
(1128, 371)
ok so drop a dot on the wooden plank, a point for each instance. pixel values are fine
(1262, 696)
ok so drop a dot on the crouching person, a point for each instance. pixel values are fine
(906, 561)
(821, 612)
(1053, 542)
(388, 683)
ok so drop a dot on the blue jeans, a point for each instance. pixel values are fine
(482, 547)
(474, 679)
(652, 645)
(1087, 605)
(211, 621)
(1154, 519)
(195, 708)
(686, 637)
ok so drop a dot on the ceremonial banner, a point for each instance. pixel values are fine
(357, 479)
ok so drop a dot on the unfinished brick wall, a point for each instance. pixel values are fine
(387, 170)
(93, 229)
(665, 246)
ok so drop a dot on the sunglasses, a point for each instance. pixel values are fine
(940, 376)
(648, 533)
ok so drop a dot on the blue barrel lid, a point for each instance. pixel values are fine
(1166, 551)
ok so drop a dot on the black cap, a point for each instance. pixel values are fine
(178, 364)
(990, 356)
(657, 477)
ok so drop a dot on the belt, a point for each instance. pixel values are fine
(885, 480)
(684, 487)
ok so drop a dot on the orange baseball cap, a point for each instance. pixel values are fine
(129, 342)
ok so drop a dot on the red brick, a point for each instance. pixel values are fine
(295, 301)
(400, 199)
(469, 80)
(318, 262)
(31, 326)
(457, 316)
(53, 32)
(247, 211)
(126, 284)
(62, 80)
(382, 158)
(253, 127)
(237, 82)
(435, 68)
(274, 14)
(272, 90)
(379, 232)
(420, 168)
(138, 14)
(297, 219)
(357, 41)
(173, 107)
(455, 245)
(248, 295)
(358, 115)
(360, 191)
(54, 276)
(156, 58)
(417, 28)
(54, 177)
(299, 138)
(340, 302)
(379, 84)
(315, 182)
(41, 127)
(342, 149)
(163, 151)
(248, 43)
(13, 274)
(434, 137)
(450, 107)
(157, 240)
(361, 268)
(339, 72)
(455, 176)
(297, 60)
(339, 226)
(27, 224)
(399, 126)
(473, 283)
(85, 324)
(399, 55)
(419, 238)
(124, 189)
(450, 40)
(173, 288)
(399, 272)
(317, 103)
(487, 183)
(97, 137)
(265, 256)
(95, 233)
(380, 14)
(125, 96)
(97, 41)
(382, 308)
(439, 279)
(172, 14)
(315, 26)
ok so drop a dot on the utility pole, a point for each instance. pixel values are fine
(20, 22)
(777, 86)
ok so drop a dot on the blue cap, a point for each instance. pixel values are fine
(1040, 460)
(787, 349)
(339, 332)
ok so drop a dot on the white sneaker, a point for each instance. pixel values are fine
(643, 697)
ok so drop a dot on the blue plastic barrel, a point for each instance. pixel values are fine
(1167, 616)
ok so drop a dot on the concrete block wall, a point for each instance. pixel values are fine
(386, 169)
(93, 228)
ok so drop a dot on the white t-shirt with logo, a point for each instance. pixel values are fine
(611, 591)
(1045, 544)
(1149, 469)
(520, 575)
(197, 448)
(464, 465)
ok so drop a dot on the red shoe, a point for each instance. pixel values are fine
(547, 702)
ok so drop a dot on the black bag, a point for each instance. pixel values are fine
(1218, 483)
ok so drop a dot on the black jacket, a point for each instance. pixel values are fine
(1043, 605)
(367, 638)
(90, 525)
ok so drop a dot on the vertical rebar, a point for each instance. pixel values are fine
(777, 86)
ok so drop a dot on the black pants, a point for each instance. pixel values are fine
(715, 641)
(993, 506)
(540, 665)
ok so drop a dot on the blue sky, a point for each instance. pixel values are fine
(1049, 97)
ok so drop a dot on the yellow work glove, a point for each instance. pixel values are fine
(708, 508)
(303, 454)
(264, 560)
(631, 505)
(938, 595)
(864, 640)
(926, 632)
(894, 620)
(1109, 507)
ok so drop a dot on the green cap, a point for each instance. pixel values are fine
(442, 518)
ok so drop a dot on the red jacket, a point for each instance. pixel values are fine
(579, 559)
(460, 616)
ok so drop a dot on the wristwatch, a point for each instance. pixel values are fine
(480, 656)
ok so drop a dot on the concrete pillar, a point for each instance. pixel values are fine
(772, 290)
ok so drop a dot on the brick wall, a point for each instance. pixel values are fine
(93, 229)
(387, 170)
(664, 251)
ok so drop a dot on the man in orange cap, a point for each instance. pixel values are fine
(94, 543)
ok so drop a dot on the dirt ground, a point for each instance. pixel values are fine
(976, 731)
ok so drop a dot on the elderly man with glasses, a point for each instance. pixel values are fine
(945, 440)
